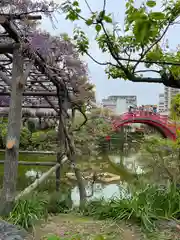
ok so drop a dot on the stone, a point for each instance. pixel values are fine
(10, 232)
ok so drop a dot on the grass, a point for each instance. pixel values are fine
(144, 209)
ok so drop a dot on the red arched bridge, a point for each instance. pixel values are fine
(160, 122)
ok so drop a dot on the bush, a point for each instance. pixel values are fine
(44, 140)
(59, 202)
(144, 206)
(28, 210)
(25, 138)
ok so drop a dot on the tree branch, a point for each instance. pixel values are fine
(149, 48)
(148, 70)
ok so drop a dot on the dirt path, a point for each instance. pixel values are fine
(72, 226)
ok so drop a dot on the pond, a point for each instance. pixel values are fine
(27, 174)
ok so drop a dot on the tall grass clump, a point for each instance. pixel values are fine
(37, 206)
(144, 206)
(27, 211)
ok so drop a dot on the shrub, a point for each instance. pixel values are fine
(144, 206)
(59, 202)
(25, 138)
(30, 209)
(26, 211)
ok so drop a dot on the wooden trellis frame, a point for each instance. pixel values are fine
(22, 68)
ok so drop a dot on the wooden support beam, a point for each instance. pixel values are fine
(32, 94)
(24, 163)
(20, 17)
(13, 134)
(8, 48)
(35, 152)
(31, 106)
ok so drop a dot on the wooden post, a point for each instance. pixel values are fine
(13, 135)
(61, 140)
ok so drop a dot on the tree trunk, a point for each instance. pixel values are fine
(13, 134)
(80, 183)
(60, 150)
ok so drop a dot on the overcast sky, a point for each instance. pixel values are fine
(146, 93)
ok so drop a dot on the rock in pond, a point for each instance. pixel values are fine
(11, 232)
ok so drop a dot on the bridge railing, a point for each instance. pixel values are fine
(144, 114)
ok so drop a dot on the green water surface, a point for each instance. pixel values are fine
(23, 180)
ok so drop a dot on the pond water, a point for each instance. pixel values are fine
(27, 174)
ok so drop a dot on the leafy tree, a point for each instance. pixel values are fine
(143, 36)
(175, 107)
(159, 159)
(88, 136)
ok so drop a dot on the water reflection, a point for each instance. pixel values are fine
(131, 162)
(26, 175)
(101, 191)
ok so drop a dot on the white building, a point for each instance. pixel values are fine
(119, 104)
(166, 97)
(161, 105)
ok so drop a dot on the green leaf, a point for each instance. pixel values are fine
(89, 22)
(98, 27)
(108, 19)
(157, 15)
(151, 3)
(75, 3)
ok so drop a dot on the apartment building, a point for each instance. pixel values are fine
(161, 104)
(166, 97)
(119, 104)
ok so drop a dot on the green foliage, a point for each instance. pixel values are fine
(145, 27)
(44, 140)
(32, 208)
(27, 211)
(89, 135)
(144, 206)
(175, 108)
(25, 138)
(31, 126)
(59, 202)
(159, 159)
(76, 237)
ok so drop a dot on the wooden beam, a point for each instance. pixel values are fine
(20, 17)
(24, 163)
(32, 106)
(13, 134)
(35, 152)
(33, 94)
(8, 48)
(43, 115)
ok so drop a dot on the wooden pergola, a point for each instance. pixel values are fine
(31, 86)
(40, 91)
